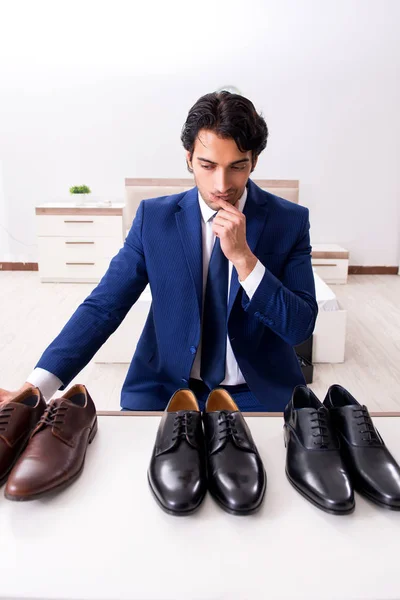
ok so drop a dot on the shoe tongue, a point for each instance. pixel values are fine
(48, 415)
(310, 410)
(224, 411)
(62, 401)
(351, 408)
(180, 413)
(227, 412)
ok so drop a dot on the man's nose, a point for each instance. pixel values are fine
(222, 183)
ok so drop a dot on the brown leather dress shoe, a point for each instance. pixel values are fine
(17, 420)
(55, 454)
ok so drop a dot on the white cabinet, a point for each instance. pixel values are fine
(331, 262)
(76, 244)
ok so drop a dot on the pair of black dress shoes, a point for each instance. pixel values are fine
(334, 448)
(188, 460)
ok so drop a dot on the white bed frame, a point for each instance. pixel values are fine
(329, 337)
(330, 329)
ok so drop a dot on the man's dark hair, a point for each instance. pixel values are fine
(229, 116)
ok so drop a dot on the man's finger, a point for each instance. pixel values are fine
(225, 216)
(227, 206)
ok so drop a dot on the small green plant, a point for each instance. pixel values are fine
(79, 189)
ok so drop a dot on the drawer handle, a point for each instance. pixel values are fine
(324, 265)
(78, 221)
(79, 263)
(79, 242)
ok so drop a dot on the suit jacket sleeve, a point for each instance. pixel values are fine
(288, 305)
(102, 311)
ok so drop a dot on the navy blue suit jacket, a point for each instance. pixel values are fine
(164, 248)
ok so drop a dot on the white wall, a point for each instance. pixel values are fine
(96, 92)
(4, 238)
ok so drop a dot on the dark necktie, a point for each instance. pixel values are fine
(213, 349)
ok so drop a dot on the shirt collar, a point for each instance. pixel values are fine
(208, 212)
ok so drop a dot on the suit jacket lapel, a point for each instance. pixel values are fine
(188, 220)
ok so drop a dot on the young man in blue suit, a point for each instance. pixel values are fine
(265, 273)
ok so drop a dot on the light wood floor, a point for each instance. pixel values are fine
(33, 313)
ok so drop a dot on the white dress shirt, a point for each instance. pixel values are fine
(49, 383)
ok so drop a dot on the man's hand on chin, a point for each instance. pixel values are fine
(230, 226)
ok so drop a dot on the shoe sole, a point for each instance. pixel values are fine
(331, 511)
(375, 501)
(60, 486)
(169, 511)
(244, 513)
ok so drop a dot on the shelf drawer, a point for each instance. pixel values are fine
(331, 270)
(62, 259)
(79, 226)
(77, 249)
(53, 269)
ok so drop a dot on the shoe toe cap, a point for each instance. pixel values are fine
(240, 491)
(177, 490)
(30, 477)
(330, 489)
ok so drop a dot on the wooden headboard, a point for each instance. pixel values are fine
(139, 189)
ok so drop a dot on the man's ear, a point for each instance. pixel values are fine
(189, 162)
(254, 164)
(189, 159)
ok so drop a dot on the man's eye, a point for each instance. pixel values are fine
(208, 167)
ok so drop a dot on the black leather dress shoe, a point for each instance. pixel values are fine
(373, 470)
(236, 475)
(314, 465)
(177, 470)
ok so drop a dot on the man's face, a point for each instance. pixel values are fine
(220, 170)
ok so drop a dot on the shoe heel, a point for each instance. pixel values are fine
(93, 432)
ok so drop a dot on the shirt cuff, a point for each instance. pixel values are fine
(253, 280)
(47, 383)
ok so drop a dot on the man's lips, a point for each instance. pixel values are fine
(221, 197)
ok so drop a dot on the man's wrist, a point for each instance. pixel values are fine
(245, 265)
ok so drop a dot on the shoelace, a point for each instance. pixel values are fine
(322, 427)
(5, 414)
(364, 420)
(226, 422)
(182, 426)
(53, 415)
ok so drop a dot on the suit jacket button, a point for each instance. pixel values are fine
(193, 349)
(257, 314)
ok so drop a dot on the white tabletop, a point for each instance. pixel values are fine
(105, 537)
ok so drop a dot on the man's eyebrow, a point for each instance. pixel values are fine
(236, 162)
